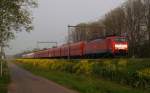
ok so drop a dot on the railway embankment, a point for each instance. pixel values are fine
(94, 76)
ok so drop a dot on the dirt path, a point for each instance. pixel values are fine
(24, 82)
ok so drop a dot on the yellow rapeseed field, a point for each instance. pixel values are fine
(131, 72)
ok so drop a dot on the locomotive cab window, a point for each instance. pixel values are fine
(120, 39)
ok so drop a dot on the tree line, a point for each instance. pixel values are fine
(131, 19)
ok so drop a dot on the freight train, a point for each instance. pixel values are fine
(108, 46)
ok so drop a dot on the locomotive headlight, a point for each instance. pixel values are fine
(121, 46)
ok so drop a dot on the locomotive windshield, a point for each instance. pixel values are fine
(120, 39)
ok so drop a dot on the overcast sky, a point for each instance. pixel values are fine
(52, 17)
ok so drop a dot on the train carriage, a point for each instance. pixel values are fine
(65, 50)
(56, 52)
(77, 49)
(42, 54)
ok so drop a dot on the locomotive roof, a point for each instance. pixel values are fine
(115, 36)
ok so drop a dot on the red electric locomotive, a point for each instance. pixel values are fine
(114, 45)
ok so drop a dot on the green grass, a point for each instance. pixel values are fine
(3, 84)
(4, 80)
(82, 83)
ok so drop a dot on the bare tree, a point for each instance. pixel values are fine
(135, 14)
(114, 22)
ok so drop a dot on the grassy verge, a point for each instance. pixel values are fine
(82, 83)
(4, 80)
